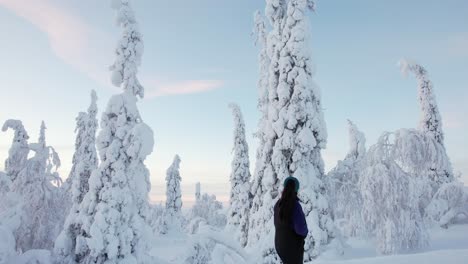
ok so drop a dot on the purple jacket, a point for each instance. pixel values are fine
(298, 221)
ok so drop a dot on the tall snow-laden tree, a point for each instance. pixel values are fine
(40, 204)
(114, 212)
(265, 183)
(19, 150)
(300, 127)
(260, 33)
(239, 202)
(173, 193)
(84, 162)
(430, 121)
(391, 199)
(344, 194)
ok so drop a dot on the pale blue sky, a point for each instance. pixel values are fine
(199, 56)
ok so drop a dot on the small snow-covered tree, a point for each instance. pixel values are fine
(157, 213)
(207, 210)
(344, 193)
(390, 200)
(417, 153)
(197, 191)
(213, 246)
(450, 201)
(85, 157)
(172, 219)
(114, 213)
(84, 162)
(19, 150)
(430, 121)
(239, 202)
(173, 193)
(40, 204)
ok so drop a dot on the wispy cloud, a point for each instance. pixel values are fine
(156, 88)
(88, 49)
(71, 39)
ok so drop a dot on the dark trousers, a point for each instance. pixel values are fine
(289, 246)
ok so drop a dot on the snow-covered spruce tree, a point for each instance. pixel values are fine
(84, 162)
(260, 33)
(19, 150)
(391, 199)
(430, 121)
(172, 218)
(264, 186)
(173, 193)
(85, 157)
(300, 127)
(114, 212)
(240, 200)
(41, 205)
(344, 194)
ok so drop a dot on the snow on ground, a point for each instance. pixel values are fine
(170, 247)
(448, 246)
(454, 256)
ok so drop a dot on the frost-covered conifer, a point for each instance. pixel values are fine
(173, 193)
(300, 127)
(41, 214)
(265, 184)
(84, 162)
(19, 150)
(239, 203)
(85, 157)
(295, 132)
(430, 121)
(344, 194)
(391, 199)
(260, 33)
(114, 213)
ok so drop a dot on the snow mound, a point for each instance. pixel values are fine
(33, 257)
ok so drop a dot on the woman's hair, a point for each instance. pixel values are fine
(288, 200)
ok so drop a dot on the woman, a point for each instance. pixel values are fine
(290, 224)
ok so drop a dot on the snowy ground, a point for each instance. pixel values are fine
(448, 246)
